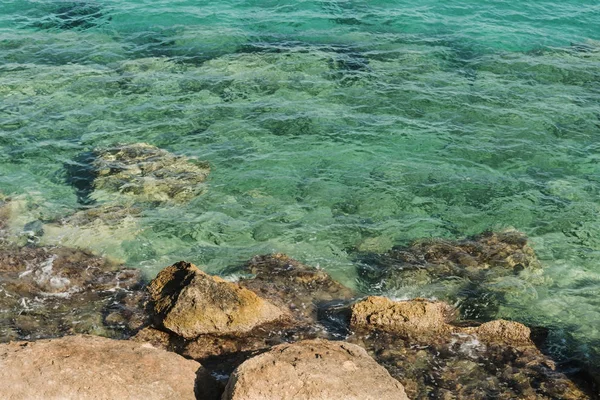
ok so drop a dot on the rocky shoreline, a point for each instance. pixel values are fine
(76, 325)
(287, 331)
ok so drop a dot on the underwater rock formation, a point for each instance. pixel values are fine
(102, 229)
(147, 173)
(313, 369)
(4, 216)
(468, 265)
(190, 303)
(91, 367)
(53, 291)
(72, 15)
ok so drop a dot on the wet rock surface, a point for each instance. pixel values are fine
(463, 271)
(497, 359)
(423, 344)
(313, 369)
(53, 291)
(147, 173)
(91, 367)
(291, 284)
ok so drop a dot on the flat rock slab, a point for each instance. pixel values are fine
(418, 317)
(313, 370)
(91, 367)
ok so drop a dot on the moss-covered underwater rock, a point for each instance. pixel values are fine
(147, 173)
(470, 271)
(136, 172)
(101, 228)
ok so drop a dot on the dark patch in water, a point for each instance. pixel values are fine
(344, 58)
(78, 15)
(348, 65)
(273, 47)
(81, 174)
(348, 21)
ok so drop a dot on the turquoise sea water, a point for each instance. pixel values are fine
(330, 127)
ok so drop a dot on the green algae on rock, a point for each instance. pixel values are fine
(146, 173)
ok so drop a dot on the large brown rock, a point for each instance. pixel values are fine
(90, 367)
(414, 318)
(303, 292)
(502, 331)
(313, 369)
(190, 303)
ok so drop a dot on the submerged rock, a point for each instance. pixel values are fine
(72, 15)
(4, 216)
(53, 291)
(148, 173)
(89, 367)
(102, 229)
(190, 303)
(140, 172)
(313, 369)
(434, 358)
(473, 258)
(470, 268)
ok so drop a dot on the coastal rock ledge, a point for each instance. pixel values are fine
(91, 367)
(310, 370)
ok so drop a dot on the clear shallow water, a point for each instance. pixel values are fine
(330, 126)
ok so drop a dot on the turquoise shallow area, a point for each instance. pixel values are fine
(330, 126)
